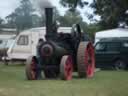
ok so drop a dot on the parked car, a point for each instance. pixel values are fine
(111, 33)
(112, 53)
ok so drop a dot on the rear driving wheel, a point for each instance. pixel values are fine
(86, 60)
(66, 68)
(120, 65)
(31, 68)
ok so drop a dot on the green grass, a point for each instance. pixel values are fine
(105, 83)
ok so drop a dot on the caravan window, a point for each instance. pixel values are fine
(23, 40)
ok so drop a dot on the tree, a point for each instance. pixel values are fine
(74, 17)
(91, 29)
(22, 16)
(37, 21)
(11, 19)
(72, 4)
(88, 28)
(1, 20)
(111, 12)
(70, 18)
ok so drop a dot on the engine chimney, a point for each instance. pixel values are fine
(49, 22)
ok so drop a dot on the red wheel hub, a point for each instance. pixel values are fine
(89, 60)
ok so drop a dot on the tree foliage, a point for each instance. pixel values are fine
(1, 20)
(73, 3)
(111, 12)
(74, 17)
(22, 16)
(70, 18)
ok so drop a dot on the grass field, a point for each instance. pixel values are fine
(105, 83)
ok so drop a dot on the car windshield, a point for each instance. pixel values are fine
(100, 46)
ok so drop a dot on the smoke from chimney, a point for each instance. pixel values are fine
(45, 7)
(44, 4)
(41, 5)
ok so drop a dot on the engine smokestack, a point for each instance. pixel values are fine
(47, 7)
(49, 22)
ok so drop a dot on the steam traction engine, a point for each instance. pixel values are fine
(61, 54)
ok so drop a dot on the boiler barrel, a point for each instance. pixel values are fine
(52, 49)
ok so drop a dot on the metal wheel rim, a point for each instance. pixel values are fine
(66, 68)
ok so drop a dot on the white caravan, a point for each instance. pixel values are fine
(113, 33)
(26, 42)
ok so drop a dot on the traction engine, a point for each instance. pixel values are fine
(61, 54)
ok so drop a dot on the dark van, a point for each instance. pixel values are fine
(112, 53)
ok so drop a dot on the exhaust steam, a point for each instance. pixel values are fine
(44, 4)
